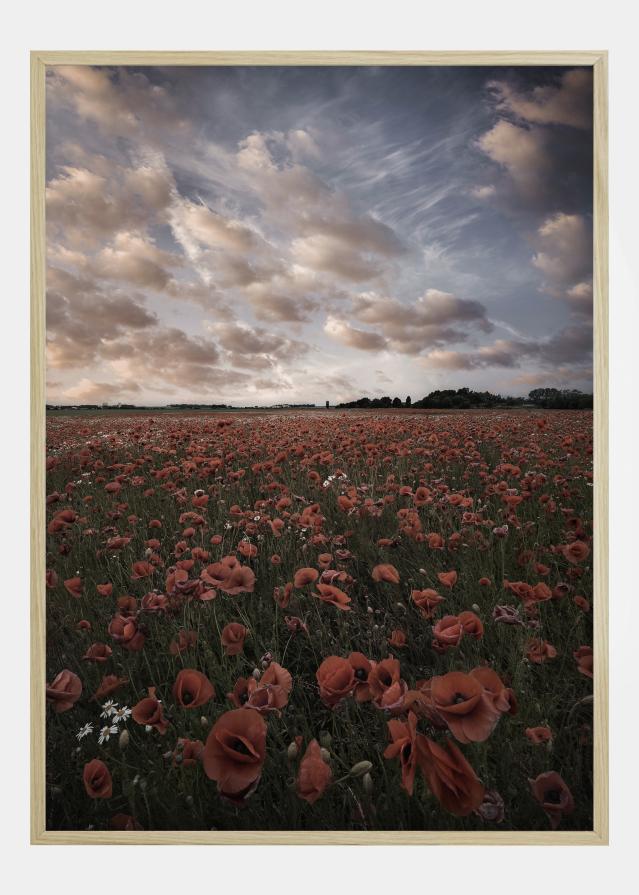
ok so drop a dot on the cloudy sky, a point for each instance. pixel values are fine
(286, 235)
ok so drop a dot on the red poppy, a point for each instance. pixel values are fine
(448, 579)
(583, 657)
(553, 795)
(192, 689)
(314, 774)
(385, 572)
(64, 691)
(74, 586)
(333, 595)
(336, 679)
(234, 753)
(233, 636)
(149, 712)
(97, 780)
(305, 576)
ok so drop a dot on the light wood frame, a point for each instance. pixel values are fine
(598, 60)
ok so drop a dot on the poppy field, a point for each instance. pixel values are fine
(312, 620)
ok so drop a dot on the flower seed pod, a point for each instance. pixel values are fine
(204, 721)
(326, 755)
(362, 767)
(123, 739)
(256, 673)
(367, 783)
(292, 751)
(325, 739)
(475, 607)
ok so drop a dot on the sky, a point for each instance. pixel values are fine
(266, 235)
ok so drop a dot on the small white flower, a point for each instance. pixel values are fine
(108, 708)
(84, 731)
(106, 732)
(148, 728)
(121, 714)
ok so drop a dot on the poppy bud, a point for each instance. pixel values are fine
(256, 673)
(204, 721)
(189, 801)
(123, 739)
(292, 751)
(179, 758)
(326, 755)
(142, 784)
(367, 783)
(325, 739)
(362, 767)
(475, 607)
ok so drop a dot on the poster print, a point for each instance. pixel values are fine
(319, 448)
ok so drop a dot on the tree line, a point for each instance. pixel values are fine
(466, 399)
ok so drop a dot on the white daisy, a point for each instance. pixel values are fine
(84, 731)
(108, 708)
(121, 714)
(106, 732)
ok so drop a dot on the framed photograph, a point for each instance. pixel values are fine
(319, 448)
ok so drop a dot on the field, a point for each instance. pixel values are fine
(319, 621)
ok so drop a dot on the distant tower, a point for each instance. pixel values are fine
(327, 405)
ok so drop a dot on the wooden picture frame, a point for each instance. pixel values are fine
(595, 59)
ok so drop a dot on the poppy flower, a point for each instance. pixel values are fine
(64, 691)
(507, 615)
(448, 579)
(149, 712)
(153, 602)
(404, 746)
(51, 579)
(583, 657)
(471, 624)
(192, 689)
(503, 697)
(98, 652)
(426, 601)
(125, 632)
(538, 735)
(282, 595)
(447, 633)
(553, 795)
(362, 668)
(398, 638)
(450, 777)
(576, 552)
(328, 593)
(295, 624)
(385, 683)
(108, 685)
(314, 774)
(184, 641)
(234, 753)
(385, 572)
(141, 570)
(241, 580)
(233, 636)
(187, 753)
(305, 576)
(538, 650)
(461, 700)
(336, 679)
(97, 780)
(582, 603)
(105, 590)
(74, 586)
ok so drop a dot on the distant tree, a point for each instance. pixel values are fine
(397, 402)
(408, 401)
